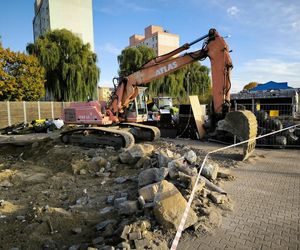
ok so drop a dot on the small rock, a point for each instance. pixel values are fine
(141, 243)
(125, 246)
(119, 201)
(164, 157)
(6, 183)
(120, 180)
(20, 217)
(103, 224)
(99, 174)
(82, 172)
(99, 161)
(128, 207)
(106, 210)
(135, 235)
(76, 230)
(217, 197)
(210, 170)
(190, 157)
(126, 231)
(98, 240)
(110, 199)
(144, 162)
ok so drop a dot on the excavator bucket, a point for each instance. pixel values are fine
(243, 124)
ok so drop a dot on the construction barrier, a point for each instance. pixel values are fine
(17, 112)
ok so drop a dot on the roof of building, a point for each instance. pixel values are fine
(271, 86)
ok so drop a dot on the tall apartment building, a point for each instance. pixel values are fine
(73, 15)
(156, 38)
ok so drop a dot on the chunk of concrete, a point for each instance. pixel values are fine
(170, 206)
(128, 207)
(190, 157)
(152, 175)
(210, 170)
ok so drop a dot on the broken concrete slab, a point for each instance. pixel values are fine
(170, 206)
(152, 175)
(210, 170)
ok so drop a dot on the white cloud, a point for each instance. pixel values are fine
(109, 48)
(105, 83)
(264, 70)
(296, 26)
(233, 11)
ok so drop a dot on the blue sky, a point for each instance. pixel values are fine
(265, 34)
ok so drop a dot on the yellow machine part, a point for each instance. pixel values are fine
(242, 124)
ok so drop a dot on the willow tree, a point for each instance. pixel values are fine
(21, 77)
(71, 70)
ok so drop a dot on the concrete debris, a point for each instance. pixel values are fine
(102, 225)
(166, 213)
(164, 157)
(211, 186)
(135, 153)
(98, 240)
(210, 170)
(76, 230)
(217, 197)
(190, 157)
(144, 162)
(119, 201)
(152, 175)
(120, 179)
(106, 210)
(128, 207)
(126, 199)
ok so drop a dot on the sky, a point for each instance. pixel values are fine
(264, 35)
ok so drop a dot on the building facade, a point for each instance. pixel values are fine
(73, 15)
(104, 93)
(157, 38)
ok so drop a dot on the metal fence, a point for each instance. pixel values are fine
(17, 112)
(272, 117)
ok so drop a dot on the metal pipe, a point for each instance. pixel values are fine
(199, 39)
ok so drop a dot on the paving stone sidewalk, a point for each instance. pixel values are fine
(266, 212)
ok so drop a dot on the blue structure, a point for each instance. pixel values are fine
(271, 86)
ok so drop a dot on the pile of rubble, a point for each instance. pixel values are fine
(165, 181)
(80, 198)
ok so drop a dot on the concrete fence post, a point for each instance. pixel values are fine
(8, 113)
(24, 112)
(39, 109)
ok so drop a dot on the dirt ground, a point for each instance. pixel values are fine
(52, 195)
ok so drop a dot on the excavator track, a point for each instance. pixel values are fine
(142, 132)
(243, 124)
(98, 136)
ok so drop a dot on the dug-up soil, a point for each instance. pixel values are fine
(52, 195)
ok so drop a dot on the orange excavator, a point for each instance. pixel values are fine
(119, 124)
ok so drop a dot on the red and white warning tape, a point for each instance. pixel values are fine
(187, 208)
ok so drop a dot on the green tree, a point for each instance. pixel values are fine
(250, 85)
(21, 77)
(132, 59)
(71, 70)
(193, 78)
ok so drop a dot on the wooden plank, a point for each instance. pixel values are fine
(199, 114)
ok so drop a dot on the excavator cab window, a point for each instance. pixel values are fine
(141, 104)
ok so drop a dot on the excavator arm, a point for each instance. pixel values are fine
(214, 47)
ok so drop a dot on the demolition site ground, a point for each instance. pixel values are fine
(56, 196)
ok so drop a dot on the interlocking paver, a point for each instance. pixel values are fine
(266, 194)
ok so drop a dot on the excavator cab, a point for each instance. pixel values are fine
(137, 110)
